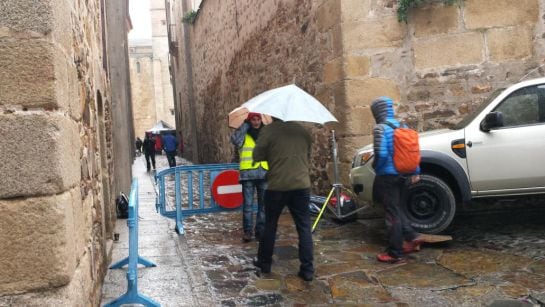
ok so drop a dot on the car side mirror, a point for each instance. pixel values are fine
(492, 120)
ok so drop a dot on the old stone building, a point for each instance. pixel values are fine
(142, 85)
(149, 64)
(65, 119)
(440, 65)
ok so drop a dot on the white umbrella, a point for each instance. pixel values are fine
(160, 127)
(288, 103)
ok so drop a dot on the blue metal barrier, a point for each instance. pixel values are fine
(132, 296)
(184, 205)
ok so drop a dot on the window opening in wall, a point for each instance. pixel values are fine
(171, 111)
(137, 67)
(163, 22)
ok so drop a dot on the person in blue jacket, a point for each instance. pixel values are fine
(389, 184)
(170, 144)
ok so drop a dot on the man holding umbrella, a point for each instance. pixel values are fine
(252, 175)
(286, 146)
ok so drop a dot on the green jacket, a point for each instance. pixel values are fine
(286, 147)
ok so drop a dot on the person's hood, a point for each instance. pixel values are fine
(383, 109)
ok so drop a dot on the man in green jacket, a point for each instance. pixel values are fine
(286, 147)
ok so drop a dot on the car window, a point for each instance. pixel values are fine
(471, 116)
(522, 107)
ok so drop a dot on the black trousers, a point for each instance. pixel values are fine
(171, 157)
(389, 191)
(150, 156)
(297, 202)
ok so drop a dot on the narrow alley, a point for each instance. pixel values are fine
(211, 266)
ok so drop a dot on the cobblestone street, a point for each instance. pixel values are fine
(493, 258)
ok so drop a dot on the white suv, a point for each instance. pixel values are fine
(498, 150)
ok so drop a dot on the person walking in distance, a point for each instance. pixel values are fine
(286, 147)
(170, 144)
(389, 184)
(138, 144)
(149, 151)
(252, 175)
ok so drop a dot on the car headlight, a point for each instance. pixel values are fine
(366, 156)
(361, 158)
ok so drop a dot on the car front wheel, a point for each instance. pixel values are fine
(430, 205)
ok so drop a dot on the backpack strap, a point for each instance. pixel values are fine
(391, 125)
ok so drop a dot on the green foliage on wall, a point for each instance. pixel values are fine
(189, 17)
(405, 5)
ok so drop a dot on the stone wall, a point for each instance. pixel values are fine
(440, 65)
(264, 44)
(56, 153)
(142, 87)
(164, 101)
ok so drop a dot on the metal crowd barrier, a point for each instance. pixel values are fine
(132, 296)
(184, 203)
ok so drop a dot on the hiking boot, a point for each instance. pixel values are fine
(247, 237)
(305, 276)
(262, 267)
(386, 258)
(411, 246)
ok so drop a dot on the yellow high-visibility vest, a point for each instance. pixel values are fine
(246, 160)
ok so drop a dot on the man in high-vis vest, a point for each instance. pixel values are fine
(252, 175)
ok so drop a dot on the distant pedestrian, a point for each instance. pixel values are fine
(286, 147)
(138, 144)
(252, 175)
(149, 150)
(170, 144)
(389, 184)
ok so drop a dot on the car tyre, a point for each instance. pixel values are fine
(429, 205)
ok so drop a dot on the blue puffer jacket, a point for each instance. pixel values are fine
(383, 136)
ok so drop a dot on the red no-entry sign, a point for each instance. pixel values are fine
(226, 190)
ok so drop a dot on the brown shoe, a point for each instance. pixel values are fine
(247, 237)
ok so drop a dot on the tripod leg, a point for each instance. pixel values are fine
(323, 208)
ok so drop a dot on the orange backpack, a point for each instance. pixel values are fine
(406, 149)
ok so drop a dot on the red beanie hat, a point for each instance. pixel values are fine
(252, 114)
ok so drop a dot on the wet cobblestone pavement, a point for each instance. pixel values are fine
(494, 258)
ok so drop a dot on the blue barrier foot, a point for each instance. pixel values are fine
(141, 260)
(120, 263)
(145, 262)
(132, 298)
(179, 228)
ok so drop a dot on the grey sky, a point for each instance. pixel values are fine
(140, 17)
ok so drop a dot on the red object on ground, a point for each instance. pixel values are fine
(344, 198)
(226, 190)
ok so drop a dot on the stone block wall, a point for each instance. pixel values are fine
(440, 65)
(55, 152)
(142, 87)
(239, 50)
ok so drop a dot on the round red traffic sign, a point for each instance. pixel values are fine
(226, 190)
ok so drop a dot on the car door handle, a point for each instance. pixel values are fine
(469, 144)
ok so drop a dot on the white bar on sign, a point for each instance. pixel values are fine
(230, 189)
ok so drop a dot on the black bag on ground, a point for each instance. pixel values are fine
(122, 206)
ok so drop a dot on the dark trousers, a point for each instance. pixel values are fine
(389, 191)
(171, 157)
(150, 156)
(248, 187)
(297, 201)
